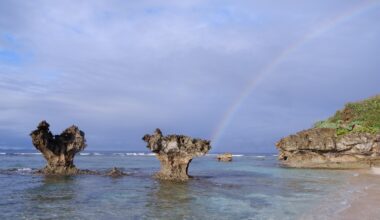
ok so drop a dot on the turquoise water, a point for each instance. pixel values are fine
(250, 187)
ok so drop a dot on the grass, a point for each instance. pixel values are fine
(359, 117)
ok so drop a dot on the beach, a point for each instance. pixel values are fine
(365, 203)
(357, 198)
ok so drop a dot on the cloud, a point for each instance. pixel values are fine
(120, 69)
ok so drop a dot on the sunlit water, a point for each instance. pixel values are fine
(250, 187)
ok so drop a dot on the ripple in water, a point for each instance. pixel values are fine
(246, 188)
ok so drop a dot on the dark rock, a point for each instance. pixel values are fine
(175, 153)
(59, 150)
(116, 172)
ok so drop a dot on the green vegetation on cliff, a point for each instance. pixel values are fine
(361, 117)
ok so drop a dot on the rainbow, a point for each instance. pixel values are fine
(320, 29)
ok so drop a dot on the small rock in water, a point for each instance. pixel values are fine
(116, 172)
(226, 157)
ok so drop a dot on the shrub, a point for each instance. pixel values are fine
(361, 117)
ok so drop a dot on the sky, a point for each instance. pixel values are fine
(240, 73)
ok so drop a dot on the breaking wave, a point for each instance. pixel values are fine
(24, 170)
(134, 154)
(234, 155)
(90, 154)
(27, 153)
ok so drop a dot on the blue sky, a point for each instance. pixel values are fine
(120, 69)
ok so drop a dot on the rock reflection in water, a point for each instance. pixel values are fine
(170, 199)
(51, 198)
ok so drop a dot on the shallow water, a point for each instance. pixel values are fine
(251, 187)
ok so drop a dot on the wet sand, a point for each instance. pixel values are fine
(365, 205)
(358, 199)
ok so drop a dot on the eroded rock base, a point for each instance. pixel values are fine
(322, 148)
(173, 167)
(114, 172)
(60, 170)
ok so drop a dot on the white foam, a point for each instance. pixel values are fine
(275, 155)
(260, 156)
(2, 153)
(136, 154)
(97, 154)
(28, 153)
(84, 154)
(237, 155)
(25, 169)
(131, 154)
(375, 170)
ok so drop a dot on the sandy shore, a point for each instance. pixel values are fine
(358, 199)
(365, 205)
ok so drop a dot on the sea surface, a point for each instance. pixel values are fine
(253, 186)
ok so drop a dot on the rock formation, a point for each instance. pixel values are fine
(226, 157)
(58, 150)
(323, 148)
(348, 139)
(175, 153)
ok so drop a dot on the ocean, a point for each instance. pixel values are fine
(253, 186)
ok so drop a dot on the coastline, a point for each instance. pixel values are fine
(357, 199)
(364, 205)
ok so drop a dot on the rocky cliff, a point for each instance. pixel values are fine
(58, 150)
(322, 148)
(175, 153)
(349, 139)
